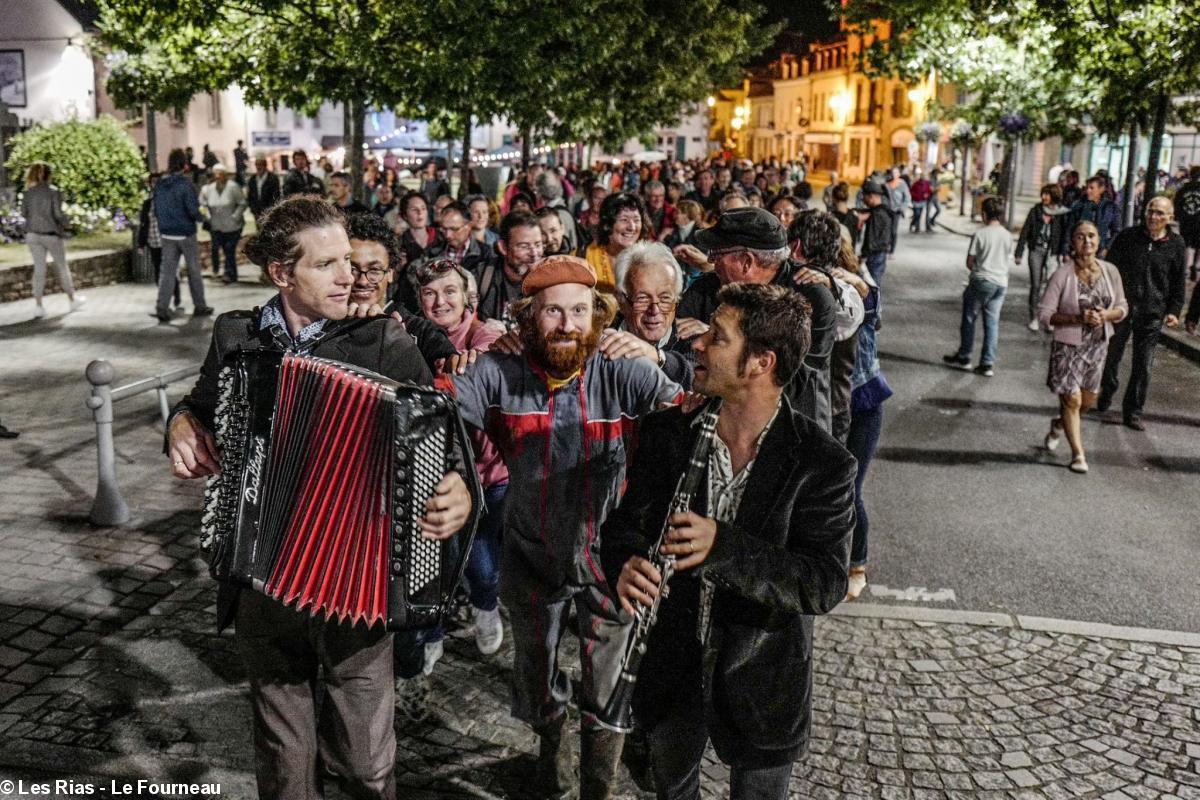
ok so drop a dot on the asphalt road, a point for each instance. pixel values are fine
(962, 498)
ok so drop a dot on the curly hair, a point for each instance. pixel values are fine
(819, 236)
(612, 207)
(370, 227)
(277, 240)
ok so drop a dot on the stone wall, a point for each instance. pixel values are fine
(102, 269)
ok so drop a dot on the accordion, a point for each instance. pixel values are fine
(325, 470)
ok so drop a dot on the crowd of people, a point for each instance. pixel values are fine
(579, 315)
(1094, 285)
(586, 321)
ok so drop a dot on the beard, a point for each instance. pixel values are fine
(563, 361)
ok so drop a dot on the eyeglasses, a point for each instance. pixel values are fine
(642, 302)
(525, 247)
(455, 229)
(373, 275)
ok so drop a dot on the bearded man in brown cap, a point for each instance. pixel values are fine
(563, 417)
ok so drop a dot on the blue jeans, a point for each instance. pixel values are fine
(676, 748)
(863, 438)
(918, 211)
(483, 583)
(990, 297)
(935, 208)
(483, 564)
(225, 242)
(877, 265)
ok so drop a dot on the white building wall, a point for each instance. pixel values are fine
(60, 81)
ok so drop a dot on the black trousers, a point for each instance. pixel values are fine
(1145, 331)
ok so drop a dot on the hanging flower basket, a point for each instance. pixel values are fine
(1013, 125)
(929, 132)
(962, 135)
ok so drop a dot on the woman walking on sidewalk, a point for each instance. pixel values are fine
(1043, 232)
(1082, 301)
(45, 224)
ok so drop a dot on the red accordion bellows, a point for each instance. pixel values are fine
(333, 553)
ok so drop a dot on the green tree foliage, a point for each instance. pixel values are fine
(591, 70)
(95, 162)
(1000, 55)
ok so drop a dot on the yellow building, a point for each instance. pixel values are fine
(820, 104)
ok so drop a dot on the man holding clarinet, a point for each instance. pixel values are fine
(764, 546)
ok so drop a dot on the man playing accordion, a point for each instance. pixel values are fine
(302, 245)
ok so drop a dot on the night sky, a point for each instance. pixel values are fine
(806, 21)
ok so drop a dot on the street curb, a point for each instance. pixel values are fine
(1020, 621)
(1180, 344)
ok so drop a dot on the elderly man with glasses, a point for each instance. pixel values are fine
(649, 285)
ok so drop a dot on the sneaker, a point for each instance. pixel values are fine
(1133, 423)
(1079, 465)
(1034, 325)
(985, 370)
(412, 698)
(856, 584)
(78, 302)
(202, 311)
(1053, 438)
(955, 361)
(433, 652)
(489, 630)
(162, 316)
(39, 312)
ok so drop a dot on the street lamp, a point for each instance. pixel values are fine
(711, 101)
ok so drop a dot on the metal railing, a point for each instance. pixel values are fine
(109, 507)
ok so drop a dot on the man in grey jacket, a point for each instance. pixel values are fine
(178, 211)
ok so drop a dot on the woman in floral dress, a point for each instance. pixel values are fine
(1082, 301)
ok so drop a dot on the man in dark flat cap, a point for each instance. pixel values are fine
(749, 245)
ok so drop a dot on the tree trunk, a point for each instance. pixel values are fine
(525, 147)
(1004, 190)
(464, 186)
(151, 139)
(964, 181)
(1156, 137)
(356, 115)
(1127, 207)
(1010, 186)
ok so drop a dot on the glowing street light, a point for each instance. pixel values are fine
(712, 101)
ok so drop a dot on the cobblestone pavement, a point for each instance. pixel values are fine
(109, 666)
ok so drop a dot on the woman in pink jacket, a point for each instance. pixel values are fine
(1082, 301)
(443, 294)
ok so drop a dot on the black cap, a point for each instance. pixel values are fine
(874, 187)
(752, 228)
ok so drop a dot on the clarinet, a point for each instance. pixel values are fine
(617, 712)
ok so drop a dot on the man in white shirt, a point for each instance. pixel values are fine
(988, 257)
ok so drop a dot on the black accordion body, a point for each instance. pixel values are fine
(325, 470)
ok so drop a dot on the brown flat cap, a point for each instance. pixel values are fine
(553, 270)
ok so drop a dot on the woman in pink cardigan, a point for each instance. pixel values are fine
(443, 294)
(1082, 301)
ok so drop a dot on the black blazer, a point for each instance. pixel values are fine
(379, 344)
(270, 193)
(783, 559)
